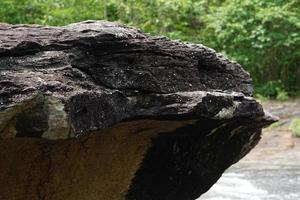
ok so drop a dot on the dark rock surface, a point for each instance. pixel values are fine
(64, 87)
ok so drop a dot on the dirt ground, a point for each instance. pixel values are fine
(277, 145)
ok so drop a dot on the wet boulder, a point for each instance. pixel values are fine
(100, 110)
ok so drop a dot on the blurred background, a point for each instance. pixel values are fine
(262, 35)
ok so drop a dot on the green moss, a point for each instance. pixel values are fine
(274, 125)
(295, 127)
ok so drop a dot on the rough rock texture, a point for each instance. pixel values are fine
(99, 110)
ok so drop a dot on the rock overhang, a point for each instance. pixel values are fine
(192, 108)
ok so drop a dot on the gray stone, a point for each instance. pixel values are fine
(62, 86)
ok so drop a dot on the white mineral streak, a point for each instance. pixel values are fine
(227, 113)
(59, 127)
(195, 97)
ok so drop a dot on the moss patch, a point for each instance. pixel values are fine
(295, 127)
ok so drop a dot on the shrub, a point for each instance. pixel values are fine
(264, 36)
(272, 89)
(282, 95)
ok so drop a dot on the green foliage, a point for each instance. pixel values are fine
(275, 125)
(282, 95)
(177, 19)
(260, 98)
(295, 127)
(21, 11)
(263, 35)
(272, 89)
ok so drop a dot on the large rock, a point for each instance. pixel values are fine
(99, 110)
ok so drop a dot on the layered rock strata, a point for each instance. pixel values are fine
(99, 110)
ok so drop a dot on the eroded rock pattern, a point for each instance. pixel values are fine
(99, 110)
